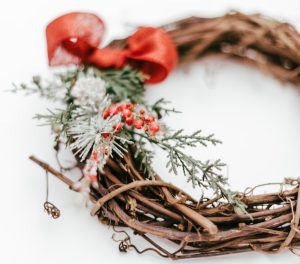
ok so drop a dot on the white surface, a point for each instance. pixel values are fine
(255, 116)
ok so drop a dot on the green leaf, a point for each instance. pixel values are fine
(123, 84)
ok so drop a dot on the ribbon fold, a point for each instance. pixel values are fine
(74, 38)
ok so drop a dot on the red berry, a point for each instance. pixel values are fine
(92, 177)
(129, 121)
(117, 127)
(129, 106)
(119, 108)
(106, 113)
(142, 111)
(138, 123)
(114, 109)
(95, 155)
(123, 106)
(154, 127)
(149, 119)
(126, 113)
(105, 135)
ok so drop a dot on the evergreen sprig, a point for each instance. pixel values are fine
(81, 125)
(57, 89)
(144, 158)
(160, 109)
(35, 87)
(58, 120)
(175, 144)
(204, 174)
(182, 140)
(123, 84)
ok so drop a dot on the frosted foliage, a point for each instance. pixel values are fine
(88, 91)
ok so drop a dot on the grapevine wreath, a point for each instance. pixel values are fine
(110, 129)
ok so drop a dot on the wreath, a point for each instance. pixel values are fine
(110, 129)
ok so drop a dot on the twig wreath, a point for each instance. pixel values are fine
(109, 127)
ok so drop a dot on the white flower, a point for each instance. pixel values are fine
(89, 91)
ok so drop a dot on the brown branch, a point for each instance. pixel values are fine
(54, 172)
(232, 238)
(166, 211)
(294, 225)
(126, 187)
(268, 44)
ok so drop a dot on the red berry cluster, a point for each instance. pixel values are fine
(138, 119)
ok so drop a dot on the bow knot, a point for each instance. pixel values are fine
(74, 38)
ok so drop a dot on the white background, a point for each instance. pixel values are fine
(256, 117)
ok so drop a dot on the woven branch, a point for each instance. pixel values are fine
(251, 39)
(208, 227)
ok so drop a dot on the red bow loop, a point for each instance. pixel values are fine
(74, 39)
(153, 51)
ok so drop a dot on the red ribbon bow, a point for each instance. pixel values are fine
(74, 39)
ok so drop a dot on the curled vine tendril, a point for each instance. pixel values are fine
(52, 210)
(125, 244)
(49, 207)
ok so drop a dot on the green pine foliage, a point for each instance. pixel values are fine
(81, 125)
